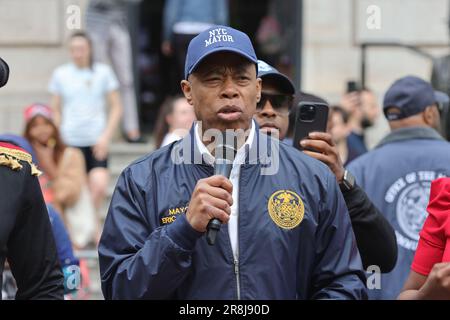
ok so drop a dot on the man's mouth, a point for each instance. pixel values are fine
(229, 113)
(268, 126)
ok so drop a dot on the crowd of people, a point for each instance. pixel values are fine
(386, 217)
(311, 230)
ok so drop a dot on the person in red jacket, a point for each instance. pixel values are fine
(430, 270)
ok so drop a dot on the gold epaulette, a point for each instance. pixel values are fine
(10, 157)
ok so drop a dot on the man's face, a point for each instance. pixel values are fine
(224, 90)
(337, 127)
(371, 110)
(272, 114)
(80, 50)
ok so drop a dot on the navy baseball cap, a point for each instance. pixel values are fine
(265, 71)
(408, 96)
(218, 39)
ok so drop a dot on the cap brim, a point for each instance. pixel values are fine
(285, 82)
(441, 97)
(221, 49)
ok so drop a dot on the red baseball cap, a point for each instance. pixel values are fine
(37, 109)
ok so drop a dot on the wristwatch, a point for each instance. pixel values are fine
(348, 181)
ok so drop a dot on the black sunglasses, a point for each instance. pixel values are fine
(279, 102)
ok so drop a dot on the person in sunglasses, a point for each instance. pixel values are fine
(375, 237)
(277, 96)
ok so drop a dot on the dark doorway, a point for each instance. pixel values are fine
(155, 73)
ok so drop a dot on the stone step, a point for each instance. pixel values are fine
(123, 154)
(131, 148)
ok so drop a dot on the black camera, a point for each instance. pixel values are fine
(353, 86)
(4, 72)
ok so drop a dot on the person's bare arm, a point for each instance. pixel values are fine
(116, 113)
(412, 285)
(55, 104)
(70, 179)
(101, 147)
(434, 287)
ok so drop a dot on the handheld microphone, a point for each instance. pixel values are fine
(4, 72)
(225, 152)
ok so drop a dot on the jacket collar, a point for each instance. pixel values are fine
(259, 151)
(240, 154)
(409, 134)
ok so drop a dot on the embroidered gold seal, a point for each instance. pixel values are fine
(286, 209)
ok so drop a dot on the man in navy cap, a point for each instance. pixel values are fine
(277, 97)
(397, 174)
(286, 233)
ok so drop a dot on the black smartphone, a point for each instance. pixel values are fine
(309, 117)
(352, 86)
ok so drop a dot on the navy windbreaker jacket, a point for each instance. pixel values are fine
(397, 176)
(148, 250)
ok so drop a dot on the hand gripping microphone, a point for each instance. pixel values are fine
(225, 152)
(4, 73)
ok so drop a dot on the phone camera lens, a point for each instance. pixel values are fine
(308, 113)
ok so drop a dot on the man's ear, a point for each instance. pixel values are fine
(187, 90)
(431, 115)
(258, 89)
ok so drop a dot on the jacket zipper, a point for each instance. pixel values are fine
(238, 284)
(236, 263)
(236, 259)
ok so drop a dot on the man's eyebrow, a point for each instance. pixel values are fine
(220, 70)
(213, 70)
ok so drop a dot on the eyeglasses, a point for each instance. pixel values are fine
(281, 103)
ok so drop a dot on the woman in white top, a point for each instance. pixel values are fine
(174, 121)
(81, 90)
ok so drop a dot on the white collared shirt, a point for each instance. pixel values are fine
(234, 178)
